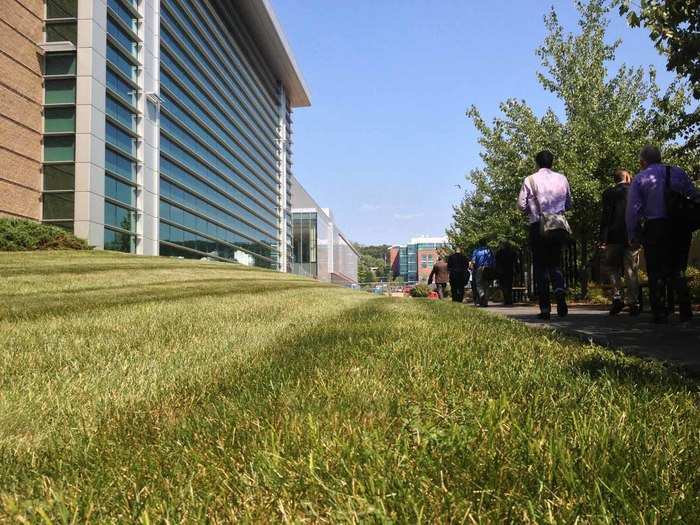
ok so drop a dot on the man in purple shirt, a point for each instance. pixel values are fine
(546, 192)
(666, 245)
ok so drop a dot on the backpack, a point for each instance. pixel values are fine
(682, 211)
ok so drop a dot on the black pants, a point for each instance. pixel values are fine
(546, 262)
(666, 251)
(457, 282)
(505, 280)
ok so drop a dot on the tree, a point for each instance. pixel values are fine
(674, 26)
(607, 118)
(373, 264)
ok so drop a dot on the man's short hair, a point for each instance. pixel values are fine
(650, 154)
(621, 175)
(545, 159)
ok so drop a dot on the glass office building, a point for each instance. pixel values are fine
(168, 127)
(416, 259)
(320, 250)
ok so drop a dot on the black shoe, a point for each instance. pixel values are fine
(562, 308)
(616, 307)
(634, 310)
(544, 316)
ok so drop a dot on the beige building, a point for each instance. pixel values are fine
(21, 99)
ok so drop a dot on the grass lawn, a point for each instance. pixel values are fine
(150, 389)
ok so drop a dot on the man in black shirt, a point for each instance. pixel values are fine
(618, 256)
(459, 275)
(506, 258)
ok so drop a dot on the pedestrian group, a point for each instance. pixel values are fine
(657, 210)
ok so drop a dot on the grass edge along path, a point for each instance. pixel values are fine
(137, 389)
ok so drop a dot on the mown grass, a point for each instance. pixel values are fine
(150, 390)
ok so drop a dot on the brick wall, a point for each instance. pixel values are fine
(21, 97)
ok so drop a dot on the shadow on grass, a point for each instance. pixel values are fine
(63, 304)
(635, 371)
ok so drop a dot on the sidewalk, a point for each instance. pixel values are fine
(677, 343)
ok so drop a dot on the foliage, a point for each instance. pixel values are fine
(674, 27)
(154, 390)
(607, 118)
(23, 235)
(373, 265)
(420, 290)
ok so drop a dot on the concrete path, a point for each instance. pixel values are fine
(676, 342)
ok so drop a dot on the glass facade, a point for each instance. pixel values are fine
(219, 153)
(305, 244)
(122, 118)
(58, 199)
(414, 261)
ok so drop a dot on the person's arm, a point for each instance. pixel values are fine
(430, 277)
(681, 182)
(633, 213)
(606, 216)
(523, 197)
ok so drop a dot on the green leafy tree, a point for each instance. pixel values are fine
(674, 27)
(607, 118)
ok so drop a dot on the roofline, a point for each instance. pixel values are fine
(267, 32)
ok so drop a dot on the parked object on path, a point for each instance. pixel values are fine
(483, 263)
(546, 193)
(457, 266)
(665, 237)
(618, 256)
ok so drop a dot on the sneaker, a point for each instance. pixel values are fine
(616, 307)
(634, 310)
(562, 308)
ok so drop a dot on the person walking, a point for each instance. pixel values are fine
(506, 257)
(459, 274)
(483, 263)
(545, 196)
(618, 256)
(441, 275)
(666, 242)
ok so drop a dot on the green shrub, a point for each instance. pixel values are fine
(420, 290)
(23, 235)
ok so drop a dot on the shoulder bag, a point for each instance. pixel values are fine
(553, 226)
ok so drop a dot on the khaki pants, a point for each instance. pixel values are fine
(619, 260)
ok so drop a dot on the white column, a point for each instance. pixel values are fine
(284, 205)
(90, 121)
(149, 129)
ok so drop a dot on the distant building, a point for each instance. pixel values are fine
(414, 261)
(319, 249)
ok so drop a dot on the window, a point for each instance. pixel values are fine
(120, 87)
(59, 177)
(59, 91)
(119, 165)
(62, 32)
(59, 120)
(60, 64)
(58, 206)
(119, 241)
(121, 36)
(59, 149)
(122, 63)
(119, 217)
(120, 139)
(122, 13)
(121, 113)
(119, 191)
(61, 8)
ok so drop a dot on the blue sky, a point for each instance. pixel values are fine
(385, 141)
